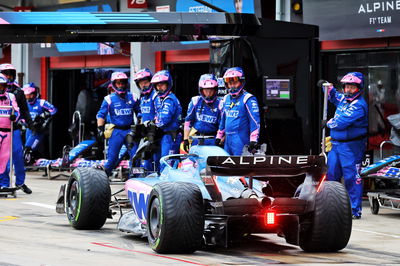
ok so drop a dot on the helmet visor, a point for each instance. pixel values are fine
(231, 79)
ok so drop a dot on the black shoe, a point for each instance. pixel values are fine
(25, 189)
(356, 217)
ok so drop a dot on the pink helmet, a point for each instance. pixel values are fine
(142, 74)
(9, 70)
(31, 88)
(208, 81)
(235, 74)
(119, 76)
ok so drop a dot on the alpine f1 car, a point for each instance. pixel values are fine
(209, 198)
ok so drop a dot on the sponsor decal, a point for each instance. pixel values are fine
(271, 160)
(139, 202)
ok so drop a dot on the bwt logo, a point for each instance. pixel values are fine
(207, 118)
(145, 109)
(125, 111)
(232, 113)
(139, 202)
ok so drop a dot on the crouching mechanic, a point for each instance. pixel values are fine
(6, 118)
(348, 130)
(240, 122)
(10, 72)
(120, 106)
(41, 112)
(204, 113)
(148, 112)
(168, 113)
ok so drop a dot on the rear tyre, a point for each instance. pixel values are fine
(328, 228)
(375, 206)
(88, 197)
(175, 218)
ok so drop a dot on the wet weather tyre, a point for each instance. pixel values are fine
(328, 228)
(88, 198)
(375, 206)
(175, 218)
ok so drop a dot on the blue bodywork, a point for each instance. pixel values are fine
(138, 189)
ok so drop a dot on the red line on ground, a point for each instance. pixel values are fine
(146, 253)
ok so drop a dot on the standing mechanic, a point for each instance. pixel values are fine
(148, 111)
(204, 112)
(168, 113)
(120, 105)
(18, 157)
(240, 122)
(41, 112)
(6, 99)
(348, 129)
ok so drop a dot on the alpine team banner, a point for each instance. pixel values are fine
(355, 19)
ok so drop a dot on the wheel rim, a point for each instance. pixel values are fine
(73, 198)
(155, 218)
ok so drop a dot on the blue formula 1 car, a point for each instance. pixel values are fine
(209, 198)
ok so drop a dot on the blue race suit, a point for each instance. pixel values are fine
(205, 118)
(37, 108)
(18, 148)
(148, 113)
(348, 129)
(120, 110)
(240, 122)
(168, 116)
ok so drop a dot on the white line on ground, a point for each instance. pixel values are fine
(47, 206)
(376, 233)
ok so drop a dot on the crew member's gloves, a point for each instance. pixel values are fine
(321, 82)
(253, 146)
(148, 123)
(45, 115)
(100, 133)
(219, 143)
(13, 117)
(186, 145)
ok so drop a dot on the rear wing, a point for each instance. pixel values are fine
(271, 166)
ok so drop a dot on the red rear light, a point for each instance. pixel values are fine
(320, 183)
(269, 218)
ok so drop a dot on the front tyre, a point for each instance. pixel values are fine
(328, 228)
(175, 218)
(88, 197)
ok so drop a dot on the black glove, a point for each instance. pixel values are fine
(186, 145)
(100, 133)
(45, 115)
(219, 143)
(321, 82)
(13, 117)
(253, 145)
(149, 123)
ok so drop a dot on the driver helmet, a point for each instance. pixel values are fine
(234, 74)
(122, 77)
(142, 74)
(31, 92)
(353, 78)
(9, 71)
(3, 82)
(208, 81)
(160, 77)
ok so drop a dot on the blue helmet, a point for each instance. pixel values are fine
(142, 74)
(234, 74)
(356, 79)
(161, 77)
(208, 81)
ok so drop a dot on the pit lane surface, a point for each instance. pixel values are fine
(32, 233)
